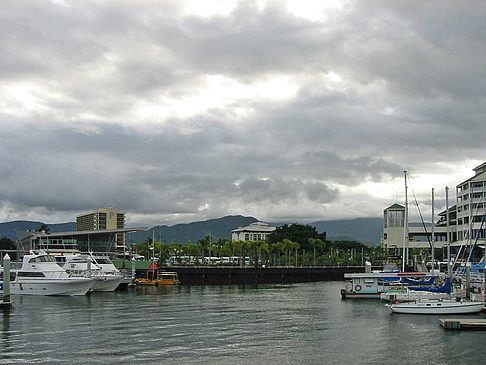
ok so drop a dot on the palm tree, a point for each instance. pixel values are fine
(295, 246)
(252, 249)
(264, 247)
(316, 243)
(280, 248)
(203, 245)
(312, 242)
(288, 247)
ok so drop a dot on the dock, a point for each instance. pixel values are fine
(463, 324)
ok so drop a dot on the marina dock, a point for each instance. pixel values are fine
(463, 324)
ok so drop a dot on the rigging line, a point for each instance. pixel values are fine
(471, 221)
(476, 240)
(468, 236)
(421, 217)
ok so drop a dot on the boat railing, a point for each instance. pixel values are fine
(55, 274)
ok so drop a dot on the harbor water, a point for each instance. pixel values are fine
(304, 323)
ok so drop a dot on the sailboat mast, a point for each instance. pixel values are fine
(405, 228)
(433, 235)
(448, 241)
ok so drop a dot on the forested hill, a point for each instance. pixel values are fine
(9, 229)
(364, 230)
(219, 227)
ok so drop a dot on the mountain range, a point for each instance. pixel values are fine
(364, 230)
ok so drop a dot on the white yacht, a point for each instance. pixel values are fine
(86, 266)
(39, 274)
(108, 268)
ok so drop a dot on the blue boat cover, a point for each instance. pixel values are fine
(429, 281)
(444, 288)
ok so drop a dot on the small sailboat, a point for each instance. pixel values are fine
(413, 293)
(437, 306)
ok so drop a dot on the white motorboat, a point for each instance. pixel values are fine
(438, 306)
(108, 269)
(85, 266)
(39, 274)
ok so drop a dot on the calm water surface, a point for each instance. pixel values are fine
(270, 324)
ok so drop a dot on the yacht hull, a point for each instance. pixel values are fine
(107, 283)
(71, 286)
(437, 307)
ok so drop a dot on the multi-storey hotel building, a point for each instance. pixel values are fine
(102, 219)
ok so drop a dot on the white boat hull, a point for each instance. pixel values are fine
(31, 286)
(412, 296)
(106, 283)
(436, 307)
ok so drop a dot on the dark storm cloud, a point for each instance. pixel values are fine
(110, 103)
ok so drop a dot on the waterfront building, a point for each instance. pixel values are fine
(103, 219)
(419, 235)
(470, 203)
(465, 218)
(257, 231)
(102, 241)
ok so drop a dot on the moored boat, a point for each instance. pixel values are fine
(372, 285)
(104, 279)
(438, 306)
(155, 277)
(39, 274)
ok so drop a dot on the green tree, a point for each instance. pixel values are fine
(316, 244)
(43, 227)
(240, 246)
(204, 244)
(296, 233)
(280, 246)
(264, 248)
(7, 244)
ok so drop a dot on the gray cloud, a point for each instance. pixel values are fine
(163, 113)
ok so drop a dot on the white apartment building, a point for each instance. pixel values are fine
(257, 231)
(465, 218)
(470, 208)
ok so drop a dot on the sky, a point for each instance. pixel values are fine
(180, 111)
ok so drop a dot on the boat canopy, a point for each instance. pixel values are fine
(444, 288)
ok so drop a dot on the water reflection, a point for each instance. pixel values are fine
(6, 344)
(306, 323)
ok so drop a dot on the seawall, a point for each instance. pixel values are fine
(251, 275)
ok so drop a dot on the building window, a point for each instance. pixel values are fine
(395, 218)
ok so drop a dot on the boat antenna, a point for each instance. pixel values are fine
(405, 226)
(432, 236)
(421, 217)
(449, 269)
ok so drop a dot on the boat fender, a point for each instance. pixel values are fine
(357, 287)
